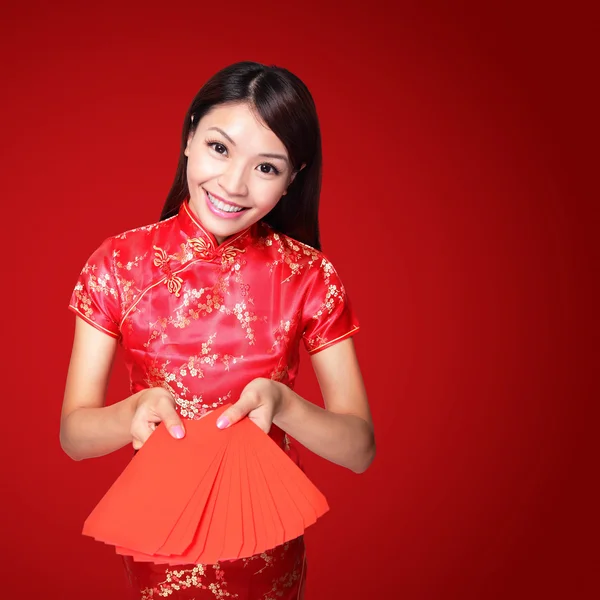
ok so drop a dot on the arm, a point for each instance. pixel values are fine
(342, 432)
(88, 428)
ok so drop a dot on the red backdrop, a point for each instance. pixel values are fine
(457, 145)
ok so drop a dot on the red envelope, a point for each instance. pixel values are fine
(214, 495)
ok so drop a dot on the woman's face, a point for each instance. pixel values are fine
(237, 169)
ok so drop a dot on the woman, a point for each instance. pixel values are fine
(210, 305)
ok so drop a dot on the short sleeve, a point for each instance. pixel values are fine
(96, 297)
(328, 315)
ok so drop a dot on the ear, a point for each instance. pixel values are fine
(190, 136)
(294, 173)
(189, 141)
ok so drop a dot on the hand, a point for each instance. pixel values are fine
(260, 400)
(154, 405)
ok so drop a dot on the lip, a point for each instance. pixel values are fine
(222, 213)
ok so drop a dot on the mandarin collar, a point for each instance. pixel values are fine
(193, 229)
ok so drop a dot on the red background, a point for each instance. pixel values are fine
(457, 206)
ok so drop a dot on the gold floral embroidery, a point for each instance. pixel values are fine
(286, 581)
(225, 398)
(245, 317)
(172, 281)
(229, 358)
(333, 297)
(206, 251)
(127, 288)
(314, 347)
(184, 314)
(174, 284)
(318, 340)
(102, 284)
(206, 357)
(96, 284)
(229, 255)
(293, 255)
(214, 302)
(196, 408)
(172, 378)
(244, 289)
(282, 333)
(202, 248)
(281, 371)
(158, 375)
(161, 258)
(194, 363)
(183, 579)
(84, 302)
(158, 330)
(271, 558)
(135, 262)
(327, 269)
(213, 298)
(146, 228)
(203, 302)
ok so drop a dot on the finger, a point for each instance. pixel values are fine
(140, 432)
(235, 413)
(260, 419)
(172, 420)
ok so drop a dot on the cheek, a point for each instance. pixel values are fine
(201, 168)
(266, 194)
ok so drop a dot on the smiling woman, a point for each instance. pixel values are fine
(210, 306)
(237, 169)
(258, 119)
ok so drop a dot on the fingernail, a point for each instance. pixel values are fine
(177, 431)
(222, 422)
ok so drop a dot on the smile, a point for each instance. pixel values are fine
(223, 206)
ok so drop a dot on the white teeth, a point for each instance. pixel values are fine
(222, 206)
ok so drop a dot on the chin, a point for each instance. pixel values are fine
(222, 229)
(217, 226)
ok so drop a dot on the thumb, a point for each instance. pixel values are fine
(236, 412)
(174, 424)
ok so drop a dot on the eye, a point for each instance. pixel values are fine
(218, 147)
(268, 169)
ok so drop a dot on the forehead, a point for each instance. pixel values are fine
(242, 124)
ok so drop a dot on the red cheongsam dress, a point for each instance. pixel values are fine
(203, 320)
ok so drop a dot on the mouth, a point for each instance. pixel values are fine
(220, 206)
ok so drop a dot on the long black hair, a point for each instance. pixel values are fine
(286, 106)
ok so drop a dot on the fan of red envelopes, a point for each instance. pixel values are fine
(214, 495)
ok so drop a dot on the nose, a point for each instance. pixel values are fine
(233, 179)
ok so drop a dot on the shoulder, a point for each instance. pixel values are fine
(299, 258)
(318, 266)
(295, 261)
(144, 236)
(133, 244)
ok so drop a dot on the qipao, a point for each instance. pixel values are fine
(202, 320)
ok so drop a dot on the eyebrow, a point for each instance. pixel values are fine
(271, 155)
(222, 133)
(266, 154)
